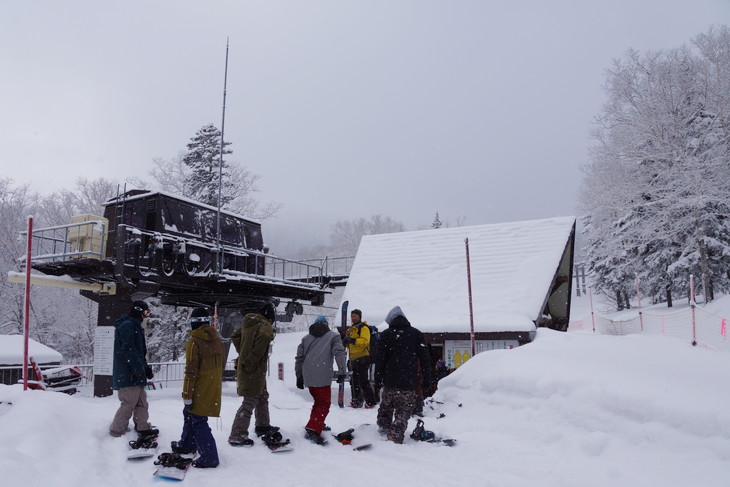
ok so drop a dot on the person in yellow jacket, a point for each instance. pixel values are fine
(202, 388)
(357, 339)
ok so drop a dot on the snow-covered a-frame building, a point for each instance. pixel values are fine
(520, 277)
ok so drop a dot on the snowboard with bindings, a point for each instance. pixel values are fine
(276, 443)
(420, 433)
(143, 447)
(343, 333)
(172, 466)
(348, 436)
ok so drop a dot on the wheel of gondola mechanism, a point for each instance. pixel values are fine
(147, 266)
(191, 262)
(166, 259)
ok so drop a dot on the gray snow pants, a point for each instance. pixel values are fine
(258, 404)
(133, 405)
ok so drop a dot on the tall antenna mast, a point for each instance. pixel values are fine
(219, 259)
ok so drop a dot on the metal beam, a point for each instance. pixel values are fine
(64, 282)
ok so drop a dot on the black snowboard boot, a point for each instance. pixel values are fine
(262, 430)
(312, 436)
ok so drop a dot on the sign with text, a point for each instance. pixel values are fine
(458, 352)
(104, 350)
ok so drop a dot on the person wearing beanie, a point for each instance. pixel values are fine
(252, 340)
(313, 369)
(357, 339)
(130, 373)
(402, 352)
(202, 389)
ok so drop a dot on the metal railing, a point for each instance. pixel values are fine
(166, 373)
(303, 270)
(84, 239)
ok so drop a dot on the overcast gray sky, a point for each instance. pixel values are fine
(480, 110)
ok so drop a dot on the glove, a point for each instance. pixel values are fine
(300, 382)
(349, 341)
(341, 378)
(188, 402)
(148, 372)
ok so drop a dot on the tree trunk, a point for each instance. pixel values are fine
(669, 295)
(626, 300)
(704, 267)
(619, 301)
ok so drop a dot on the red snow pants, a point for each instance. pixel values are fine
(321, 407)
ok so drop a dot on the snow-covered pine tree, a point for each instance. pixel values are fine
(437, 223)
(203, 158)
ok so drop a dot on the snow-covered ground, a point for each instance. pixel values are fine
(570, 409)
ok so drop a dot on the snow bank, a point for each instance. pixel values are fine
(569, 409)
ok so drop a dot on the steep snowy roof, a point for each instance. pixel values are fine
(11, 351)
(424, 272)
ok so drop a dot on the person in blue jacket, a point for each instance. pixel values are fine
(131, 372)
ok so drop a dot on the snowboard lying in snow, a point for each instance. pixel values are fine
(172, 466)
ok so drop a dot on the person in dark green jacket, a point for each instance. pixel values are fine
(252, 342)
(202, 388)
(130, 373)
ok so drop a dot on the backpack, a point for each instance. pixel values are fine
(374, 339)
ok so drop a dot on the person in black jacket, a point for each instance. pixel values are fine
(131, 372)
(402, 350)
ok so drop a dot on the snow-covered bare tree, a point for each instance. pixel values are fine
(171, 175)
(17, 202)
(167, 332)
(345, 235)
(86, 198)
(656, 194)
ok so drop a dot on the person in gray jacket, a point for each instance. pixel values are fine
(313, 367)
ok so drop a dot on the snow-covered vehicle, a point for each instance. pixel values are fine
(59, 379)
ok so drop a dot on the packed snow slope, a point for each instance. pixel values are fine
(569, 409)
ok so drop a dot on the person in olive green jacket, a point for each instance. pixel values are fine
(252, 341)
(202, 388)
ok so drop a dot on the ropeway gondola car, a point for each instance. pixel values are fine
(183, 251)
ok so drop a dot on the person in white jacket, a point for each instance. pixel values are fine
(313, 367)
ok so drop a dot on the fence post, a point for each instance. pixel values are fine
(281, 370)
(641, 321)
(692, 306)
(593, 318)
